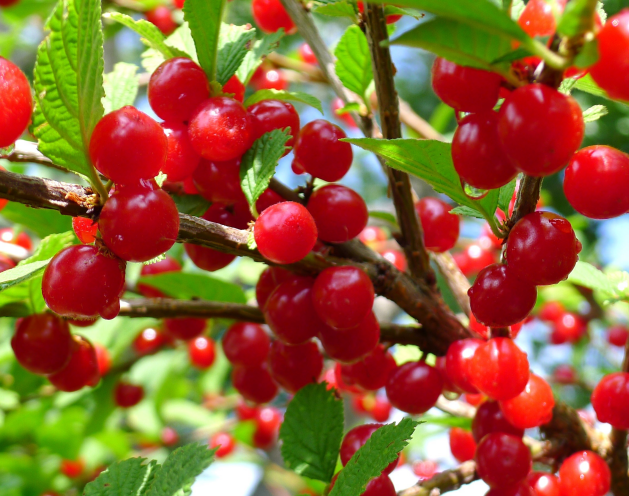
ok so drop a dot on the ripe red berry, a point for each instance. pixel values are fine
(162, 17)
(537, 19)
(500, 369)
(202, 352)
(610, 400)
(320, 153)
(611, 70)
(266, 199)
(396, 258)
(353, 344)
(551, 311)
(19, 238)
(148, 341)
(265, 78)
(85, 229)
(219, 181)
(235, 87)
(270, 16)
(16, 103)
(540, 129)
(103, 359)
(462, 444)
(532, 407)
(246, 344)
(268, 115)
(182, 160)
(345, 118)
(169, 436)
(489, 418)
(224, 442)
(425, 469)
(168, 264)
(285, 233)
(464, 88)
(294, 366)
(81, 370)
(564, 374)
(380, 411)
(520, 489)
(306, 54)
(458, 364)
(502, 459)
(82, 283)
(42, 343)
(267, 422)
(373, 371)
(569, 328)
(544, 484)
(441, 228)
(220, 129)
(127, 145)
(474, 258)
(372, 235)
(325, 204)
(254, 383)
(356, 438)
(584, 473)
(414, 387)
(72, 468)
(139, 222)
(185, 328)
(499, 298)
(127, 395)
(596, 181)
(476, 157)
(270, 279)
(618, 335)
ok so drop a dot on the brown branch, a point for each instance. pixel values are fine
(26, 151)
(443, 482)
(568, 432)
(617, 458)
(526, 201)
(454, 278)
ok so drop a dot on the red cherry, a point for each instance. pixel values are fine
(270, 279)
(285, 233)
(224, 442)
(81, 370)
(502, 460)
(372, 235)
(246, 344)
(356, 438)
(127, 145)
(459, 363)
(353, 344)
(127, 395)
(596, 181)
(270, 16)
(381, 409)
(85, 229)
(169, 436)
(220, 129)
(610, 72)
(69, 287)
(584, 473)
(182, 160)
(269, 115)
(294, 366)
(540, 129)
(341, 380)
(268, 198)
(465, 88)
(148, 341)
(16, 102)
(462, 444)
(532, 407)
(544, 484)
(162, 17)
(414, 387)
(42, 343)
(448, 385)
(307, 55)
(521, 489)
(103, 359)
(474, 259)
(441, 228)
(219, 181)
(345, 118)
(551, 311)
(565, 374)
(254, 383)
(235, 88)
(618, 335)
(320, 153)
(537, 19)
(9, 235)
(425, 469)
(373, 371)
(268, 79)
(396, 258)
(202, 352)
(246, 412)
(325, 204)
(268, 421)
(8, 3)
(570, 328)
(72, 468)
(610, 400)
(185, 328)
(489, 419)
(168, 264)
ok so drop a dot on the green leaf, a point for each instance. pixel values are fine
(350, 107)
(394, 10)
(449, 421)
(39, 220)
(431, 161)
(373, 457)
(594, 113)
(259, 162)
(516, 54)
(353, 65)
(126, 478)
(587, 84)
(261, 49)
(180, 469)
(21, 273)
(577, 18)
(183, 285)
(588, 56)
(312, 431)
(337, 9)
(191, 204)
(50, 246)
(288, 96)
(385, 216)
(505, 195)
(204, 20)
(467, 211)
(233, 45)
(180, 42)
(121, 86)
(585, 274)
(63, 434)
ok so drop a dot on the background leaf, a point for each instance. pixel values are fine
(233, 45)
(337, 9)
(204, 20)
(254, 57)
(39, 220)
(585, 274)
(184, 285)
(288, 96)
(594, 113)
(506, 194)
(121, 86)
(577, 18)
(21, 273)
(353, 64)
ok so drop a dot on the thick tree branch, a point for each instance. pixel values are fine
(443, 482)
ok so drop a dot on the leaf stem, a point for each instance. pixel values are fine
(551, 58)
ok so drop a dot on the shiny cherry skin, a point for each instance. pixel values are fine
(542, 248)
(268, 198)
(540, 129)
(537, 19)
(148, 341)
(269, 115)
(72, 468)
(551, 311)
(448, 385)
(343, 296)
(458, 365)
(610, 400)
(220, 129)
(320, 153)
(267, 78)
(85, 229)
(127, 395)
(532, 407)
(127, 145)
(414, 387)
(42, 343)
(373, 371)
(325, 204)
(168, 264)
(267, 422)
(462, 444)
(596, 181)
(477, 158)
(182, 160)
(396, 258)
(464, 88)
(255, 383)
(618, 335)
(224, 442)
(356, 438)
(185, 328)
(569, 328)
(441, 228)
(353, 344)
(162, 17)
(270, 279)
(270, 16)
(235, 87)
(307, 55)
(81, 370)
(500, 370)
(69, 287)
(611, 72)
(16, 102)
(499, 298)
(246, 344)
(584, 473)
(294, 366)
(489, 418)
(176, 88)
(474, 258)
(202, 352)
(103, 359)
(502, 459)
(219, 181)
(544, 484)
(285, 233)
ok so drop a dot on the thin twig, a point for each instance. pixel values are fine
(443, 482)
(617, 459)
(454, 278)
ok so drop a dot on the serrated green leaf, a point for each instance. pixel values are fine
(121, 86)
(587, 84)
(505, 195)
(373, 457)
(204, 20)
(126, 478)
(337, 9)
(585, 274)
(385, 216)
(258, 163)
(467, 211)
(180, 469)
(312, 431)
(288, 96)
(353, 64)
(431, 161)
(594, 113)
(185, 286)
(577, 18)
(511, 56)
(254, 57)
(191, 204)
(233, 45)
(21, 273)
(180, 41)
